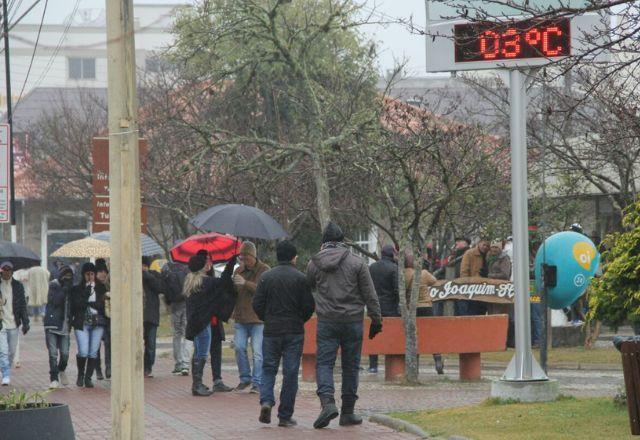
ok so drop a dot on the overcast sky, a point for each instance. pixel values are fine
(396, 42)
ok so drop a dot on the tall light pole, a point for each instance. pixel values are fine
(12, 193)
(127, 390)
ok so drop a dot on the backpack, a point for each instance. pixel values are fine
(173, 276)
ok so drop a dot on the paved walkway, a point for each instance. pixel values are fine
(172, 413)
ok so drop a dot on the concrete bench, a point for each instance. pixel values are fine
(467, 336)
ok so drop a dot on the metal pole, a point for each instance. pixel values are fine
(127, 391)
(523, 366)
(12, 197)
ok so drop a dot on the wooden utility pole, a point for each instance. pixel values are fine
(127, 390)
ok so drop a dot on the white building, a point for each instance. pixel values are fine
(74, 53)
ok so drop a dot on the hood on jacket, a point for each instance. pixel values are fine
(328, 259)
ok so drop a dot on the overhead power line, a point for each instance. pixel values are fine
(35, 48)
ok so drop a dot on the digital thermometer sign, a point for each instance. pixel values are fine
(512, 41)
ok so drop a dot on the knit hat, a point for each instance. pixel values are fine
(197, 263)
(64, 270)
(248, 248)
(389, 250)
(332, 233)
(101, 265)
(88, 267)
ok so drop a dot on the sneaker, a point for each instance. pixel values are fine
(265, 414)
(373, 370)
(148, 374)
(5, 381)
(243, 385)
(177, 371)
(16, 364)
(54, 385)
(64, 380)
(255, 389)
(287, 423)
(220, 387)
(184, 372)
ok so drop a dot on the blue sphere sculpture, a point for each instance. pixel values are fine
(576, 259)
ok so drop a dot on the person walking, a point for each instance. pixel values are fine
(343, 287)
(151, 288)
(174, 275)
(57, 326)
(205, 297)
(283, 301)
(247, 324)
(14, 316)
(88, 320)
(102, 275)
(384, 274)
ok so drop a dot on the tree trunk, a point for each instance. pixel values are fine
(408, 312)
(322, 189)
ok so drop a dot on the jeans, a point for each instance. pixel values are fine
(242, 335)
(289, 348)
(149, 333)
(8, 344)
(57, 344)
(201, 343)
(179, 325)
(536, 323)
(464, 307)
(88, 340)
(330, 337)
(216, 353)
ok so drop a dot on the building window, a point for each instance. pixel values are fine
(82, 68)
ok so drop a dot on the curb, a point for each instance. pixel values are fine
(399, 425)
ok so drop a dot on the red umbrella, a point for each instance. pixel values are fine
(219, 247)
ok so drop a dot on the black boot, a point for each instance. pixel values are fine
(347, 417)
(328, 413)
(197, 370)
(99, 374)
(439, 363)
(81, 362)
(91, 365)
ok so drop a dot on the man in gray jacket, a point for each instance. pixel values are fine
(342, 288)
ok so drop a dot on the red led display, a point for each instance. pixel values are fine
(512, 41)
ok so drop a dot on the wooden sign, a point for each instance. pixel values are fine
(101, 184)
(475, 288)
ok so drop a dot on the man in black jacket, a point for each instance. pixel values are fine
(151, 287)
(384, 274)
(57, 325)
(283, 301)
(14, 314)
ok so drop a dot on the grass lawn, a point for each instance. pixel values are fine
(566, 418)
(565, 355)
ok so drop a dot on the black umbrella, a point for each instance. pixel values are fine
(20, 256)
(239, 220)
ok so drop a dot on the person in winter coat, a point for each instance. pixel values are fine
(151, 289)
(14, 315)
(498, 262)
(283, 301)
(474, 264)
(57, 326)
(38, 281)
(424, 306)
(174, 275)
(343, 287)
(102, 275)
(88, 320)
(206, 297)
(247, 324)
(384, 274)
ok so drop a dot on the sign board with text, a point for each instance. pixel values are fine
(495, 35)
(5, 190)
(474, 288)
(101, 184)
